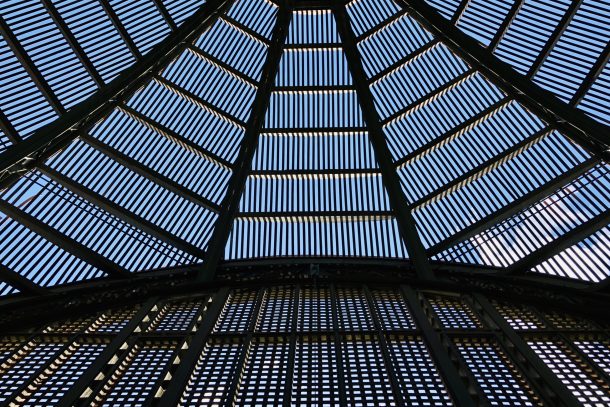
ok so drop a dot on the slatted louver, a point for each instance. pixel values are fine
(482, 18)
(588, 259)
(68, 49)
(49, 51)
(550, 219)
(4, 141)
(314, 187)
(24, 106)
(576, 51)
(117, 185)
(76, 218)
(180, 10)
(447, 8)
(466, 153)
(596, 101)
(561, 45)
(523, 42)
(96, 35)
(142, 20)
(255, 16)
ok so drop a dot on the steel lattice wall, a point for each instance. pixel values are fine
(331, 344)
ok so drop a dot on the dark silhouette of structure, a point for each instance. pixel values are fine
(304, 202)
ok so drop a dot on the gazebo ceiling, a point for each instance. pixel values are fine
(150, 136)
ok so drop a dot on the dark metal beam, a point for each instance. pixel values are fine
(552, 40)
(230, 204)
(380, 25)
(150, 174)
(316, 214)
(77, 249)
(246, 29)
(402, 61)
(384, 347)
(482, 169)
(21, 283)
(85, 379)
(294, 321)
(197, 100)
(9, 130)
(165, 14)
(74, 44)
(122, 213)
(91, 296)
(174, 137)
(545, 381)
(51, 137)
(459, 10)
(593, 74)
(508, 19)
(453, 131)
(404, 218)
(171, 396)
(233, 386)
(118, 24)
(454, 381)
(429, 96)
(305, 173)
(575, 124)
(223, 65)
(513, 207)
(29, 66)
(337, 342)
(558, 245)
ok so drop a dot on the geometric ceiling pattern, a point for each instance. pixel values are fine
(138, 136)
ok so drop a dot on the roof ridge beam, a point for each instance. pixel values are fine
(404, 218)
(254, 127)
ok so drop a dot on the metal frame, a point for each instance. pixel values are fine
(436, 329)
(30, 153)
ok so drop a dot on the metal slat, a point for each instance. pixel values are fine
(71, 398)
(30, 68)
(565, 241)
(21, 283)
(514, 207)
(76, 47)
(150, 174)
(549, 385)
(575, 124)
(52, 137)
(66, 243)
(122, 213)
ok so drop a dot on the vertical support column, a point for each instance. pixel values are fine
(293, 345)
(230, 204)
(171, 396)
(439, 352)
(81, 385)
(241, 361)
(548, 385)
(338, 347)
(570, 344)
(404, 218)
(383, 345)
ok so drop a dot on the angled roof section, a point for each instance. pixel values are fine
(565, 52)
(315, 188)
(239, 132)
